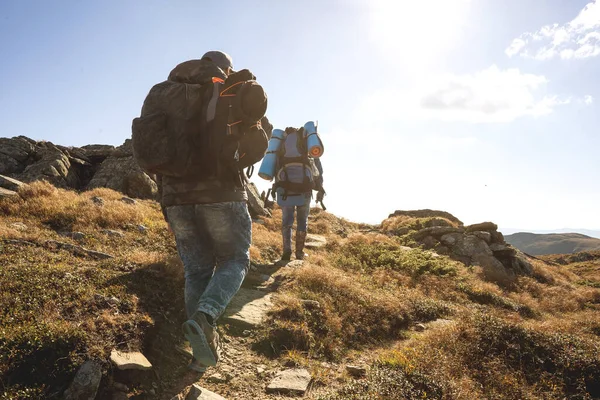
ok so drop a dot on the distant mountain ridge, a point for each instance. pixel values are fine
(552, 243)
(595, 233)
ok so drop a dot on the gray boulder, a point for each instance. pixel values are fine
(436, 231)
(426, 214)
(483, 226)
(5, 193)
(10, 183)
(124, 175)
(256, 206)
(86, 382)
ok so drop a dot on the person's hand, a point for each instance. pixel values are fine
(320, 195)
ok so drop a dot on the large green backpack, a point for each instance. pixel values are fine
(198, 122)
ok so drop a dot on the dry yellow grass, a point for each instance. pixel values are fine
(360, 294)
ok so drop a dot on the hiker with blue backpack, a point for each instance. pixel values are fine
(293, 161)
(197, 131)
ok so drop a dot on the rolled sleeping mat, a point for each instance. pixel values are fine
(269, 162)
(313, 141)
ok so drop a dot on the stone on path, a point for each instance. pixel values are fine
(113, 233)
(128, 200)
(357, 371)
(5, 193)
(197, 392)
(19, 226)
(86, 382)
(290, 381)
(248, 308)
(257, 279)
(295, 264)
(315, 241)
(128, 361)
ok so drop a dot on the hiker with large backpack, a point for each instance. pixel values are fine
(197, 131)
(293, 161)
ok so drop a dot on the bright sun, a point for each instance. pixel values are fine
(422, 30)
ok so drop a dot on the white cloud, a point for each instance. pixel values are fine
(577, 39)
(588, 100)
(489, 96)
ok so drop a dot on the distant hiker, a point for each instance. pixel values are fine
(293, 160)
(197, 131)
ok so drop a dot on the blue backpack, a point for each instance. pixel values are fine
(295, 172)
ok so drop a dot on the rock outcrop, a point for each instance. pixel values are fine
(478, 244)
(120, 172)
(23, 160)
(76, 168)
(426, 214)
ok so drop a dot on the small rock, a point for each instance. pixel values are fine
(5, 193)
(420, 327)
(295, 264)
(152, 392)
(120, 387)
(246, 333)
(311, 304)
(142, 229)
(128, 361)
(248, 309)
(113, 301)
(86, 382)
(197, 392)
(257, 279)
(357, 371)
(113, 233)
(315, 241)
(10, 183)
(217, 378)
(261, 369)
(483, 226)
(97, 200)
(19, 226)
(128, 200)
(291, 381)
(78, 236)
(258, 221)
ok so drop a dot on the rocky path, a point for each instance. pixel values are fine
(243, 373)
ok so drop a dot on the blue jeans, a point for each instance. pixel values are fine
(301, 219)
(288, 221)
(213, 242)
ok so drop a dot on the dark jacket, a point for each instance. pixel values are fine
(192, 189)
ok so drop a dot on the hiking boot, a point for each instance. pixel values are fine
(300, 240)
(203, 338)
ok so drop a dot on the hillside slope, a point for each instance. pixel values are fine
(552, 243)
(85, 274)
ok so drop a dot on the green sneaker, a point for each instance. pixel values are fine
(203, 338)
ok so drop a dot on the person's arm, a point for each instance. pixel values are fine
(159, 184)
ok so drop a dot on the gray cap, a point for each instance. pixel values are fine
(222, 60)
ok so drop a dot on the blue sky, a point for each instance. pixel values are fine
(485, 109)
